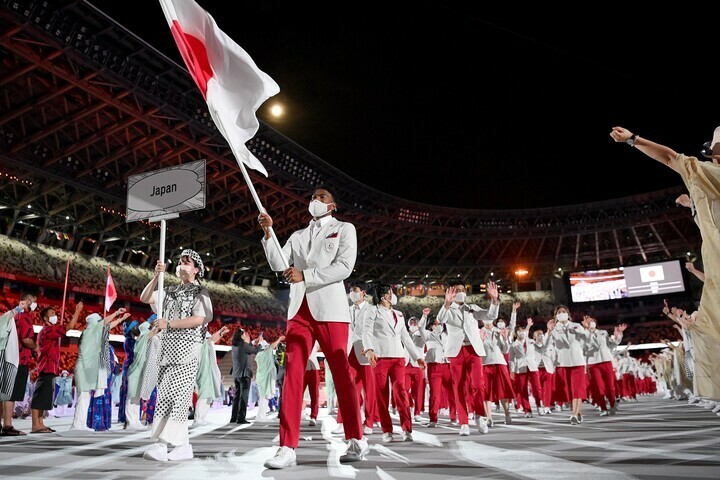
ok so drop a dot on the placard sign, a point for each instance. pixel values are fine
(170, 190)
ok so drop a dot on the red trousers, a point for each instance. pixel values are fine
(312, 382)
(628, 385)
(466, 370)
(394, 369)
(602, 384)
(302, 331)
(547, 384)
(364, 379)
(415, 383)
(522, 384)
(574, 380)
(440, 382)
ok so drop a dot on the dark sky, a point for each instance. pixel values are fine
(475, 108)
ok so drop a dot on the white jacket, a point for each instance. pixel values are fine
(569, 342)
(495, 347)
(419, 342)
(326, 261)
(357, 319)
(386, 334)
(462, 320)
(599, 346)
(545, 353)
(434, 342)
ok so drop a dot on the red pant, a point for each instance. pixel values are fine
(364, 379)
(440, 381)
(302, 331)
(628, 384)
(394, 368)
(415, 383)
(602, 384)
(312, 382)
(467, 376)
(547, 384)
(575, 381)
(522, 383)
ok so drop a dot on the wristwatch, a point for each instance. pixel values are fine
(631, 141)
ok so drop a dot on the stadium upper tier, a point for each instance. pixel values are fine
(86, 104)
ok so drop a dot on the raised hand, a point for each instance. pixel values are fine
(160, 267)
(504, 332)
(265, 221)
(515, 306)
(450, 295)
(551, 325)
(426, 311)
(620, 134)
(79, 307)
(492, 290)
(530, 322)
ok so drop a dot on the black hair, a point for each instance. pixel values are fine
(380, 290)
(455, 282)
(44, 311)
(25, 295)
(359, 284)
(237, 337)
(331, 191)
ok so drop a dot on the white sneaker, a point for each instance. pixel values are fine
(81, 428)
(417, 419)
(140, 427)
(574, 420)
(367, 430)
(481, 424)
(604, 413)
(558, 408)
(356, 451)
(339, 430)
(716, 409)
(285, 457)
(465, 430)
(181, 452)
(454, 423)
(508, 419)
(387, 437)
(407, 437)
(432, 424)
(313, 422)
(157, 452)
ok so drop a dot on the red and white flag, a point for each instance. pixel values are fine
(110, 292)
(653, 273)
(233, 86)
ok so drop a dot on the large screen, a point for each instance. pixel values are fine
(637, 281)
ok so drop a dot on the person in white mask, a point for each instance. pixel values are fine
(414, 375)
(48, 364)
(321, 257)
(438, 367)
(498, 385)
(362, 374)
(465, 350)
(569, 338)
(524, 370)
(599, 347)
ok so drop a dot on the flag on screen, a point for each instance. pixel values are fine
(110, 292)
(652, 274)
(233, 86)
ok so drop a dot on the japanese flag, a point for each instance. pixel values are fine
(110, 292)
(653, 273)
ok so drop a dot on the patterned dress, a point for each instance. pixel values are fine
(178, 361)
(99, 416)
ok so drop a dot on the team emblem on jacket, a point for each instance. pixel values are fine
(329, 246)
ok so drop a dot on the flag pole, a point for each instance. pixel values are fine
(254, 194)
(67, 275)
(161, 277)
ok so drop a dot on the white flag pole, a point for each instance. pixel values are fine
(262, 210)
(161, 277)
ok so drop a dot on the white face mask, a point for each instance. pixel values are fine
(354, 296)
(318, 208)
(562, 317)
(501, 325)
(33, 306)
(487, 323)
(53, 320)
(184, 270)
(413, 328)
(393, 299)
(437, 328)
(521, 335)
(593, 325)
(460, 297)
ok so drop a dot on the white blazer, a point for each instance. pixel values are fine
(326, 261)
(495, 347)
(599, 346)
(434, 342)
(419, 342)
(522, 356)
(545, 354)
(357, 319)
(463, 320)
(569, 342)
(385, 336)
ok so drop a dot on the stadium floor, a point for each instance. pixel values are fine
(651, 439)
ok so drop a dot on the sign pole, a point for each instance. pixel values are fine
(161, 277)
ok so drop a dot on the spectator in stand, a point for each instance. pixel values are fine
(26, 345)
(48, 345)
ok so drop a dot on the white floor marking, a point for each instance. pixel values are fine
(535, 466)
(383, 475)
(336, 447)
(224, 466)
(387, 453)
